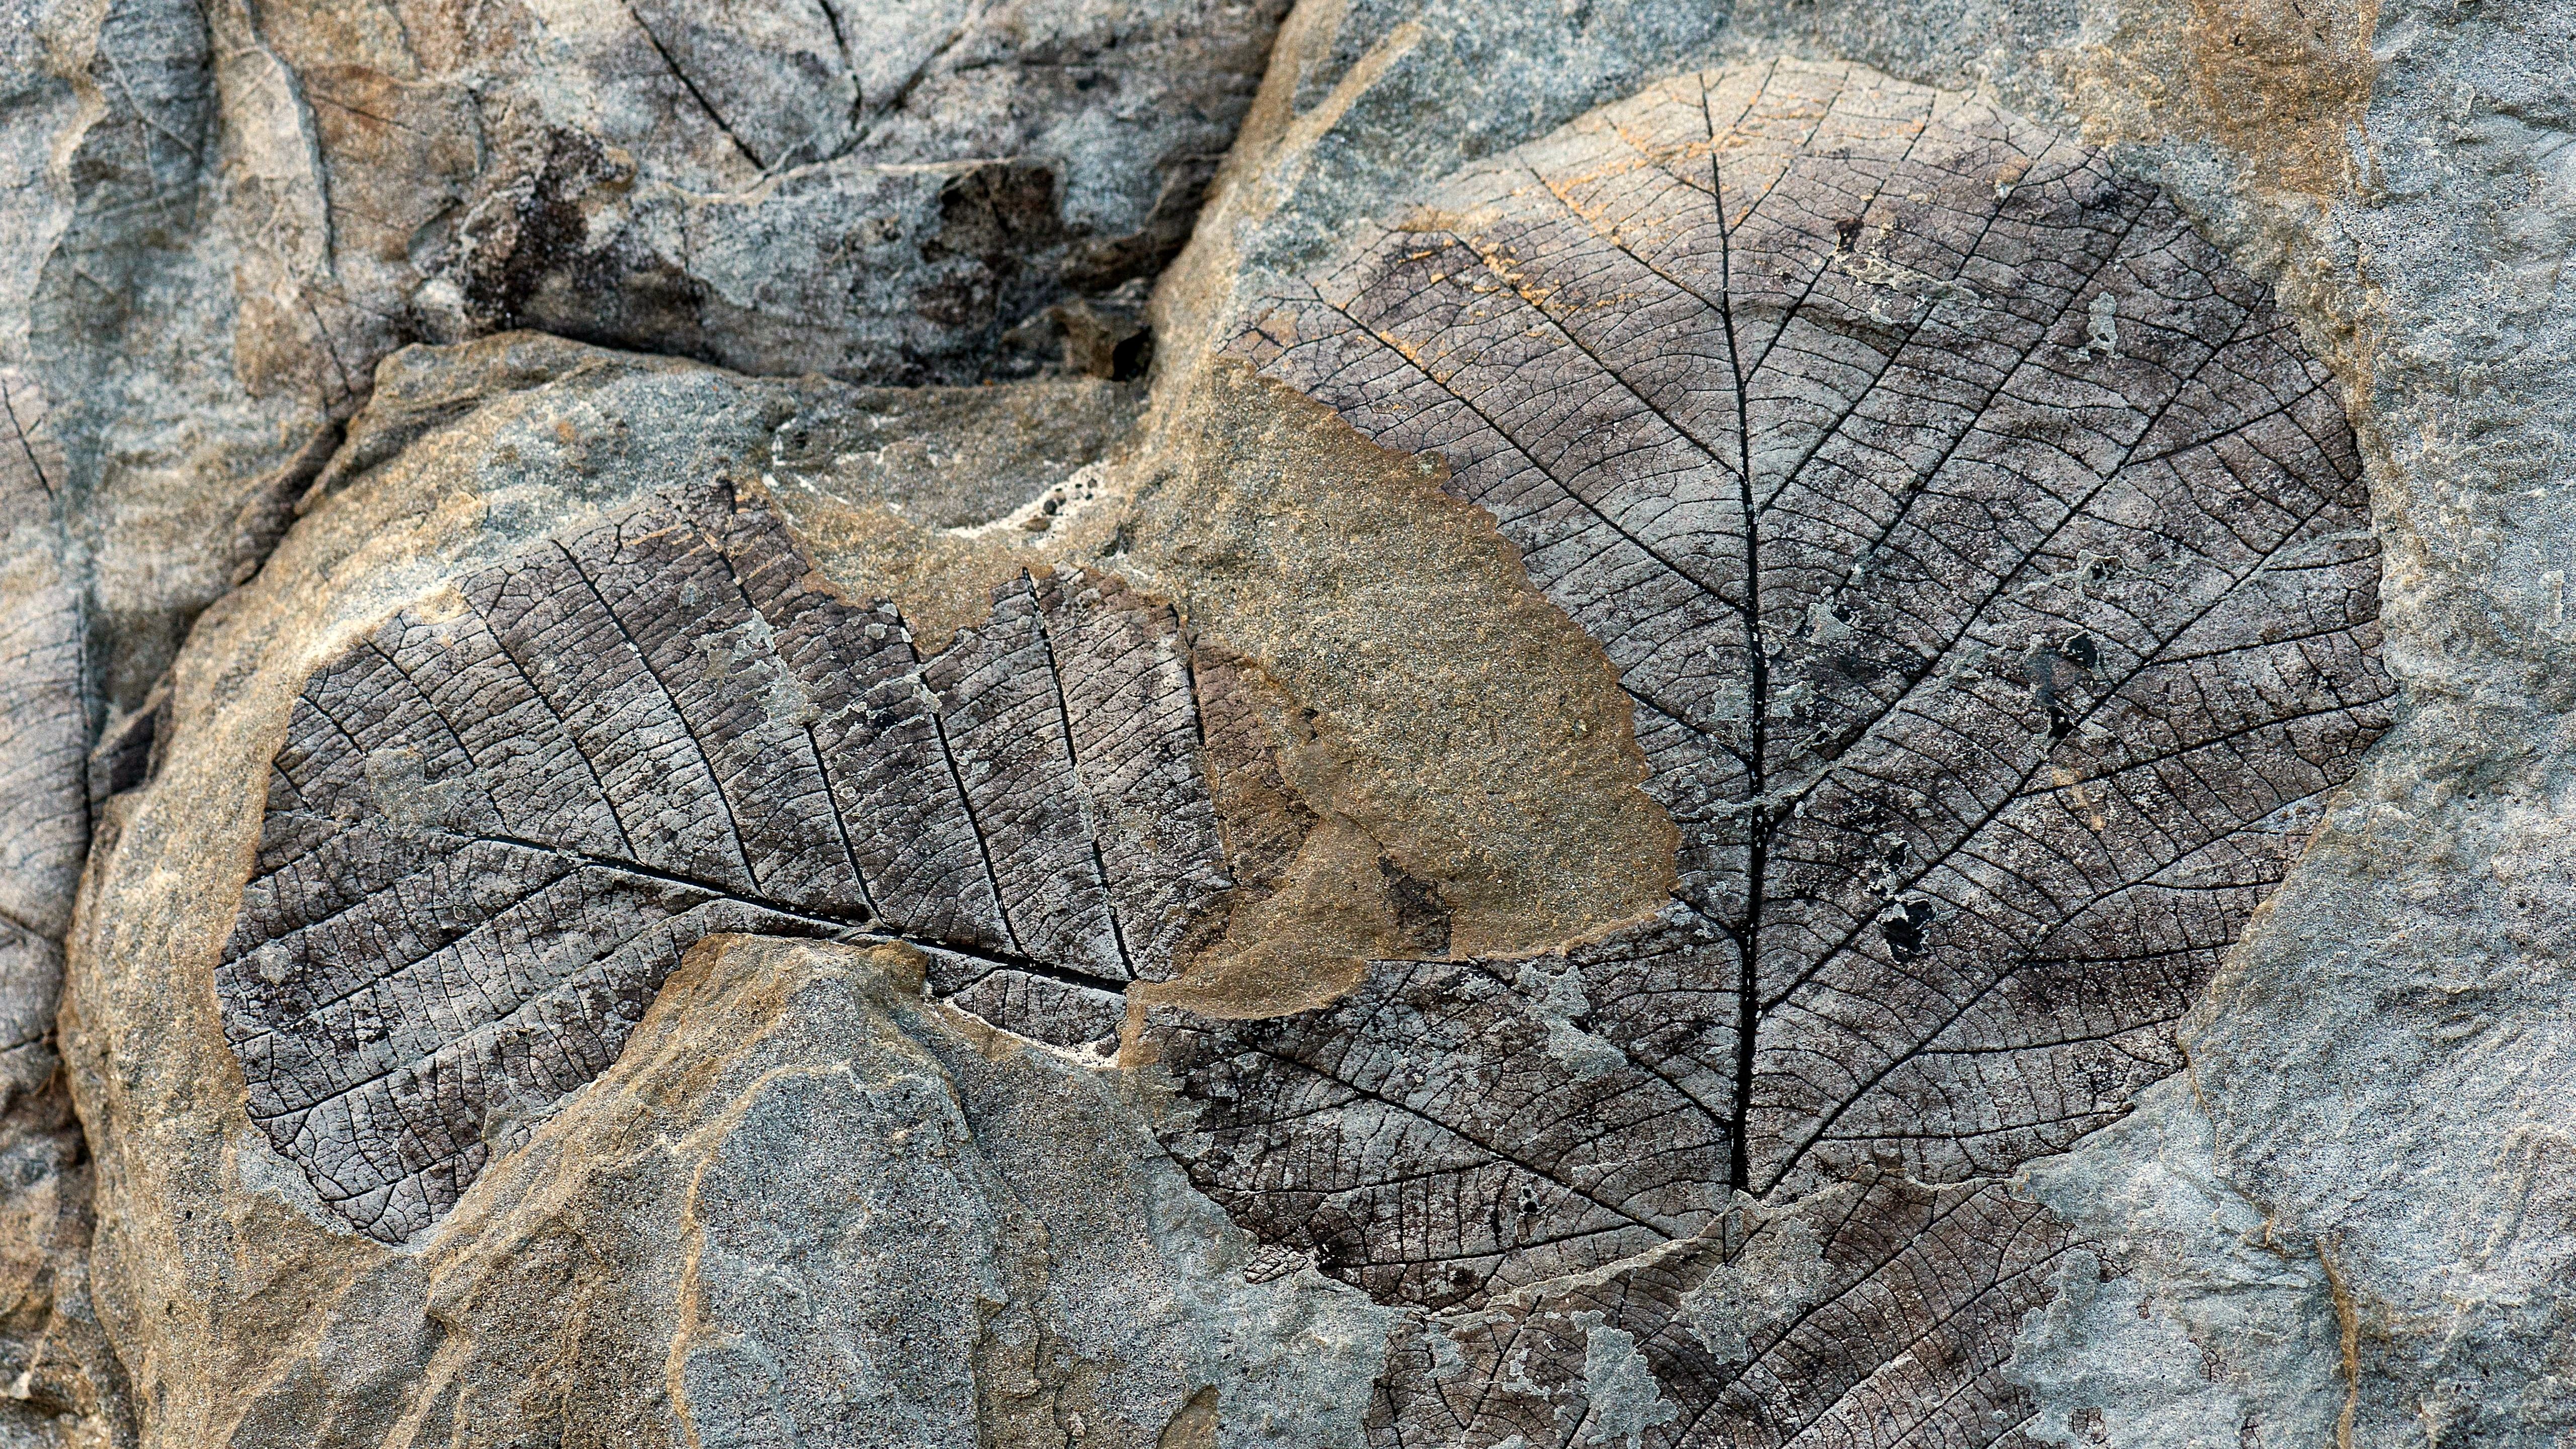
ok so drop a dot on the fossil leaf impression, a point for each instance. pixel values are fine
(498, 821)
(1993, 577)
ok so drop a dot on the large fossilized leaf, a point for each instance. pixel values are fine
(497, 822)
(1992, 575)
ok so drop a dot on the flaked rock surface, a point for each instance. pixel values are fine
(549, 684)
(217, 220)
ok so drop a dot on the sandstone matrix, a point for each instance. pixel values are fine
(1231, 722)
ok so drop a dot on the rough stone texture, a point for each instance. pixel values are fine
(222, 217)
(218, 218)
(875, 191)
(2187, 1319)
(2380, 1063)
(2393, 170)
(840, 1216)
(1390, 706)
(2346, 1223)
(473, 480)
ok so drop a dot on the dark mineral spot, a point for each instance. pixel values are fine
(1904, 930)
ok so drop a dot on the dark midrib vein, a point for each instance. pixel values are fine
(870, 920)
(1739, 1162)
(851, 932)
(1833, 750)
(849, 62)
(870, 923)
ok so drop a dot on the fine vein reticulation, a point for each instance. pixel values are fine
(498, 821)
(1992, 573)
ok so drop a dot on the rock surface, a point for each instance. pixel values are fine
(221, 218)
(391, 1050)
(743, 1190)
(839, 1216)
(218, 219)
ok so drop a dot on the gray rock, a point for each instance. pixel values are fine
(2383, 1063)
(808, 1208)
(876, 191)
(476, 455)
(225, 216)
(218, 218)
(2187, 1321)
(201, 259)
